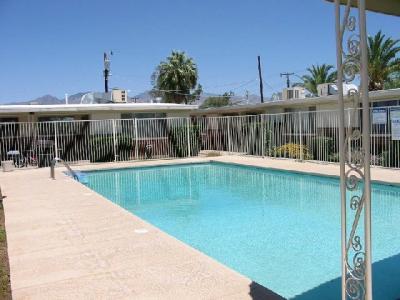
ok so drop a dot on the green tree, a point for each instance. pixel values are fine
(393, 82)
(317, 75)
(382, 60)
(176, 78)
(218, 101)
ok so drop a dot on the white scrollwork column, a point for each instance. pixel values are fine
(355, 185)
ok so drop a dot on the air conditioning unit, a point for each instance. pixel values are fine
(293, 93)
(119, 96)
(327, 89)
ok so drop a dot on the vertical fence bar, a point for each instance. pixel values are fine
(228, 131)
(188, 136)
(301, 137)
(55, 139)
(349, 125)
(136, 140)
(262, 135)
(114, 133)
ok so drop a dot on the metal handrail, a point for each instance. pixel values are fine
(53, 164)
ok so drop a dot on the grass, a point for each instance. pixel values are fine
(5, 287)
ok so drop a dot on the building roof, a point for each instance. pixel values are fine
(148, 107)
(389, 7)
(374, 96)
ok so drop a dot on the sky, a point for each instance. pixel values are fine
(56, 47)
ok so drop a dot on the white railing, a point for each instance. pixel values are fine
(297, 135)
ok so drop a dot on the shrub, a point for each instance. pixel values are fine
(323, 143)
(389, 158)
(213, 153)
(334, 157)
(292, 151)
(180, 134)
(101, 148)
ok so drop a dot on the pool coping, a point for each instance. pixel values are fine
(255, 163)
(376, 181)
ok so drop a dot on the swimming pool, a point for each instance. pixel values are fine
(281, 229)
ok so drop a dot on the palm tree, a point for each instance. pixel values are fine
(382, 61)
(175, 78)
(393, 82)
(318, 74)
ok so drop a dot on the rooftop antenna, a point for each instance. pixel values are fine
(287, 78)
(106, 71)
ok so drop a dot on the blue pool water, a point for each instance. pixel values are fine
(281, 229)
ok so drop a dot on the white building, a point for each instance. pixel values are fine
(38, 113)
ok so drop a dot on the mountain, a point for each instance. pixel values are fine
(46, 99)
(74, 98)
(51, 100)
(144, 97)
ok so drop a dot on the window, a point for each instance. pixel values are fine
(55, 118)
(8, 120)
(289, 110)
(142, 115)
(62, 118)
(385, 103)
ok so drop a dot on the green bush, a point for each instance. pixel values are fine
(324, 143)
(180, 134)
(102, 149)
(267, 140)
(334, 157)
(389, 158)
(293, 151)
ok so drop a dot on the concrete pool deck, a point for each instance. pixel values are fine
(66, 241)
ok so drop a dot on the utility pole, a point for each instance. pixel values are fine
(261, 81)
(287, 78)
(106, 71)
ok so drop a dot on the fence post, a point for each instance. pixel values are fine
(348, 128)
(301, 138)
(270, 125)
(136, 140)
(188, 135)
(228, 121)
(55, 140)
(114, 140)
(262, 136)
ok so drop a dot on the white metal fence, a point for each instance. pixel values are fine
(299, 135)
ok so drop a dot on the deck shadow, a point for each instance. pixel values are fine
(386, 283)
(259, 292)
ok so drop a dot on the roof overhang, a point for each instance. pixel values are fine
(129, 107)
(382, 95)
(388, 7)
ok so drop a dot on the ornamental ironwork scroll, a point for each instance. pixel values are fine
(354, 156)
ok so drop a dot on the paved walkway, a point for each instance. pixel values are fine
(67, 242)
